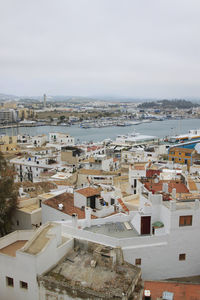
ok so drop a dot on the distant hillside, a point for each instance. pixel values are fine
(168, 104)
(5, 97)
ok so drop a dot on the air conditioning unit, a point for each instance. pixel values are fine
(60, 206)
(167, 296)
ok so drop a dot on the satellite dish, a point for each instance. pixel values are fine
(156, 180)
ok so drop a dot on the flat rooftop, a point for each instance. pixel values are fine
(187, 204)
(76, 272)
(29, 208)
(12, 248)
(40, 241)
(117, 230)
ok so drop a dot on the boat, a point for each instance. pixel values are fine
(192, 135)
(134, 137)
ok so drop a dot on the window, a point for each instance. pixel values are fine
(135, 183)
(185, 221)
(9, 281)
(23, 285)
(182, 256)
(17, 222)
(138, 261)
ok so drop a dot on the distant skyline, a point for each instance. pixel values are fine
(119, 48)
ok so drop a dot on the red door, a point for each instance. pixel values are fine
(146, 225)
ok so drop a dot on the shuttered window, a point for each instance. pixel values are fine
(185, 221)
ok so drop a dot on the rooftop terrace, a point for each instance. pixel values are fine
(117, 230)
(12, 248)
(92, 271)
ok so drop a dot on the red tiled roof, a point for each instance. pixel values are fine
(181, 291)
(123, 205)
(92, 148)
(88, 191)
(157, 187)
(150, 172)
(67, 199)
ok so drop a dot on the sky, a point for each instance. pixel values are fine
(120, 48)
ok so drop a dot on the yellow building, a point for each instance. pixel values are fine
(25, 113)
(182, 155)
(9, 104)
(8, 143)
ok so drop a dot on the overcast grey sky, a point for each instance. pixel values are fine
(144, 48)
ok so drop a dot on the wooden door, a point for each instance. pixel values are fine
(146, 225)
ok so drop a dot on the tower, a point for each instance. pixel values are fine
(45, 100)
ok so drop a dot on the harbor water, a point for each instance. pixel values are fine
(156, 128)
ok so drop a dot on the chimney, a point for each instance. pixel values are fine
(173, 194)
(149, 196)
(188, 166)
(74, 220)
(21, 191)
(196, 204)
(165, 187)
(88, 216)
(172, 205)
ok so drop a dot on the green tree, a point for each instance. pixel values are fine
(8, 197)
(62, 118)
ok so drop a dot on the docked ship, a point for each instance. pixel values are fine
(192, 135)
(134, 137)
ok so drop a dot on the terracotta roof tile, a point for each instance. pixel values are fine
(157, 187)
(88, 191)
(180, 290)
(67, 199)
(125, 208)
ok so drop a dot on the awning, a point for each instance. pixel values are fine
(158, 224)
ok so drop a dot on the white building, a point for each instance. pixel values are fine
(101, 162)
(22, 262)
(136, 171)
(39, 140)
(28, 214)
(61, 138)
(161, 237)
(26, 256)
(29, 169)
